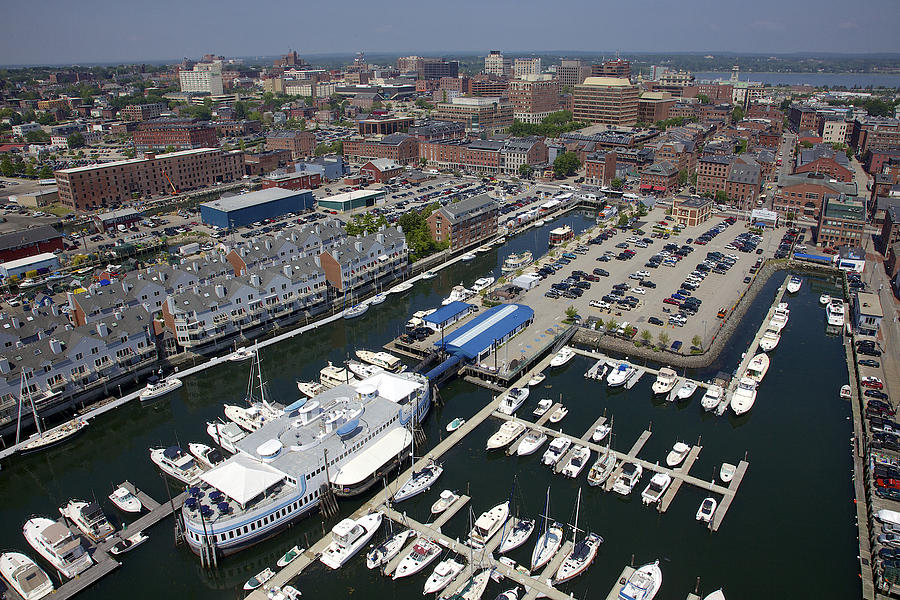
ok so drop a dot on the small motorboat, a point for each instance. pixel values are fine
(712, 398)
(129, 543)
(482, 283)
(658, 485)
(377, 299)
(726, 473)
(536, 379)
(665, 381)
(362, 370)
(744, 396)
(643, 583)
(757, 367)
(468, 257)
(562, 357)
(512, 594)
(348, 537)
(543, 406)
(447, 498)
(206, 456)
(287, 592)
(620, 375)
(508, 432)
(706, 510)
(422, 554)
(769, 340)
(556, 450)
(628, 479)
(125, 500)
(241, 354)
(259, 579)
(794, 284)
(429, 275)
(445, 572)
(530, 443)
(686, 390)
(512, 400)
(289, 556)
(384, 552)
(677, 454)
(559, 414)
(824, 299)
(357, 310)
(716, 595)
(455, 424)
(600, 432)
(579, 459)
(516, 536)
(845, 392)
(401, 288)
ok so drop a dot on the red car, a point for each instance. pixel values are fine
(671, 301)
(872, 382)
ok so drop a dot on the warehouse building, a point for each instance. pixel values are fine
(350, 200)
(42, 263)
(243, 209)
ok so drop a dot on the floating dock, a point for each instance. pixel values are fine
(620, 583)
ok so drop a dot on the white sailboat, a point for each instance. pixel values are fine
(384, 552)
(240, 354)
(550, 540)
(422, 554)
(43, 439)
(582, 554)
(643, 583)
(377, 299)
(348, 537)
(516, 536)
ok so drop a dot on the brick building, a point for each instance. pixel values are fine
(384, 125)
(534, 97)
(654, 106)
(299, 143)
(381, 169)
(616, 67)
(802, 118)
(607, 100)
(600, 168)
(401, 148)
(266, 162)
(488, 116)
(465, 222)
(841, 222)
(237, 128)
(91, 187)
(890, 228)
(292, 181)
(181, 134)
(804, 193)
(660, 178)
(712, 170)
(822, 158)
(744, 183)
(23, 243)
(489, 86)
(691, 211)
(143, 112)
(438, 130)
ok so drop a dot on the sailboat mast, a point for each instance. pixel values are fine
(21, 396)
(577, 507)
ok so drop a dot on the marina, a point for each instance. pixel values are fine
(476, 407)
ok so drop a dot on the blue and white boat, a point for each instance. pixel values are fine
(343, 439)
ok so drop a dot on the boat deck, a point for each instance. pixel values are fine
(148, 503)
(620, 583)
(587, 434)
(544, 418)
(437, 524)
(632, 381)
(630, 457)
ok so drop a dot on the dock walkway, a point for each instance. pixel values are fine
(620, 583)
(725, 504)
(551, 568)
(684, 467)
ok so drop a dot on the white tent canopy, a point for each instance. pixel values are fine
(242, 479)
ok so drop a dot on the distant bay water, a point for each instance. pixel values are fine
(848, 80)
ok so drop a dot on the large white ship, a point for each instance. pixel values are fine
(345, 438)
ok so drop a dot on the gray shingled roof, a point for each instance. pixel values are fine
(26, 237)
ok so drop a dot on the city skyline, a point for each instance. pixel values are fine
(101, 32)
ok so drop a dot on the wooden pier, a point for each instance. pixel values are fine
(436, 525)
(620, 583)
(551, 568)
(730, 492)
(684, 467)
(630, 457)
(587, 434)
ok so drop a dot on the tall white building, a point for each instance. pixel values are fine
(496, 64)
(205, 77)
(524, 67)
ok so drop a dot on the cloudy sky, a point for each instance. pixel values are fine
(63, 31)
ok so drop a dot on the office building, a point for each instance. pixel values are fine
(180, 134)
(488, 116)
(842, 221)
(617, 67)
(496, 64)
(204, 78)
(571, 72)
(533, 97)
(526, 67)
(300, 143)
(606, 100)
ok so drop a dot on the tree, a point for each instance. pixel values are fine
(693, 178)
(663, 339)
(526, 170)
(697, 342)
(806, 144)
(737, 114)
(37, 137)
(75, 140)
(423, 103)
(169, 148)
(704, 99)
(721, 197)
(129, 152)
(566, 164)
(742, 146)
(683, 177)
(45, 118)
(617, 184)
(363, 224)
(641, 209)
(571, 313)
(611, 325)
(623, 220)
(6, 166)
(46, 172)
(646, 336)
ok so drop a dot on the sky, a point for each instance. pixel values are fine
(126, 31)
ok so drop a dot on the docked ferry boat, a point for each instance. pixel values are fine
(345, 439)
(560, 235)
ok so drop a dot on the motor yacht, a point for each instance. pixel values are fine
(628, 479)
(516, 536)
(536, 379)
(385, 360)
(712, 398)
(834, 315)
(559, 414)
(757, 367)
(226, 435)
(348, 537)
(419, 481)
(555, 451)
(602, 468)
(576, 463)
(543, 406)
(658, 485)
(707, 509)
(23, 575)
(532, 441)
(643, 583)
(769, 340)
(156, 387)
(512, 400)
(620, 375)
(780, 317)
(562, 357)
(514, 262)
(600, 432)
(445, 572)
(744, 396)
(487, 525)
(56, 544)
(125, 500)
(665, 381)
(331, 376)
(677, 454)
(794, 284)
(508, 432)
(176, 463)
(686, 389)
(251, 418)
(482, 283)
(310, 389)
(459, 293)
(88, 517)
(446, 498)
(206, 456)
(384, 552)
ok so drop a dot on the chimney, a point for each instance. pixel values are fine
(358, 245)
(286, 269)
(16, 323)
(170, 304)
(102, 329)
(4, 365)
(254, 280)
(318, 261)
(54, 308)
(220, 290)
(119, 315)
(55, 346)
(268, 244)
(379, 237)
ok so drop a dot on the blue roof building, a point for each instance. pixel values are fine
(490, 329)
(448, 315)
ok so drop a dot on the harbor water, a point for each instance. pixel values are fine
(789, 533)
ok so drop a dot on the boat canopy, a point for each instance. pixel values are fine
(390, 386)
(348, 428)
(363, 465)
(242, 479)
(294, 406)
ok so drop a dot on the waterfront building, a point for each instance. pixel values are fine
(292, 181)
(352, 199)
(600, 168)
(867, 313)
(357, 265)
(243, 209)
(803, 194)
(842, 221)
(661, 178)
(465, 222)
(22, 243)
(300, 143)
